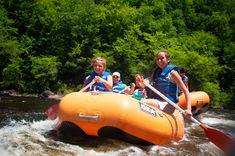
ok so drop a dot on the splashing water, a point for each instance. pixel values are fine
(20, 138)
(29, 138)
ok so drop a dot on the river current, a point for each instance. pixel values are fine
(26, 131)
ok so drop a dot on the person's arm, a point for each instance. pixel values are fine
(177, 79)
(108, 83)
(130, 89)
(139, 81)
(86, 82)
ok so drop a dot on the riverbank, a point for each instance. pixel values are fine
(45, 94)
(57, 97)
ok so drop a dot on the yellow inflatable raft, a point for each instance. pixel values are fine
(99, 113)
(200, 101)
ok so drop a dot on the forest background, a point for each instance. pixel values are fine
(48, 44)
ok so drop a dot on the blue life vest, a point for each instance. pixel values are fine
(99, 86)
(119, 87)
(184, 79)
(163, 84)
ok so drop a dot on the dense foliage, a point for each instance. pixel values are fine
(47, 45)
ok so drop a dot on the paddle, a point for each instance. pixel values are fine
(52, 111)
(220, 139)
(123, 90)
(87, 86)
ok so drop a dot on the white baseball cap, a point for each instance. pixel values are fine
(116, 74)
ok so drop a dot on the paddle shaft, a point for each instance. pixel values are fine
(87, 86)
(169, 101)
(123, 90)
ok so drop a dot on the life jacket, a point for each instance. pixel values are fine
(120, 86)
(99, 86)
(164, 85)
(185, 80)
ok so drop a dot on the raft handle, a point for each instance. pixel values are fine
(88, 117)
(198, 101)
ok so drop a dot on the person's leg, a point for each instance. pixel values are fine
(152, 102)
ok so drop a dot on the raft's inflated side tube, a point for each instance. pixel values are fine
(93, 111)
(199, 100)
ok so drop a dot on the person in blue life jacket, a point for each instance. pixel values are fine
(119, 86)
(166, 79)
(183, 76)
(140, 92)
(103, 80)
(184, 79)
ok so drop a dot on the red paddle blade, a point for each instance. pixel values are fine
(52, 112)
(220, 139)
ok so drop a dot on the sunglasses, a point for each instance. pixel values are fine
(115, 76)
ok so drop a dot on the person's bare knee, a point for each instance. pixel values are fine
(151, 102)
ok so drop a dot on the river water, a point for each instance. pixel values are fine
(26, 131)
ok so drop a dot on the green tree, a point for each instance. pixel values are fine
(49, 44)
(9, 45)
(13, 75)
(44, 71)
